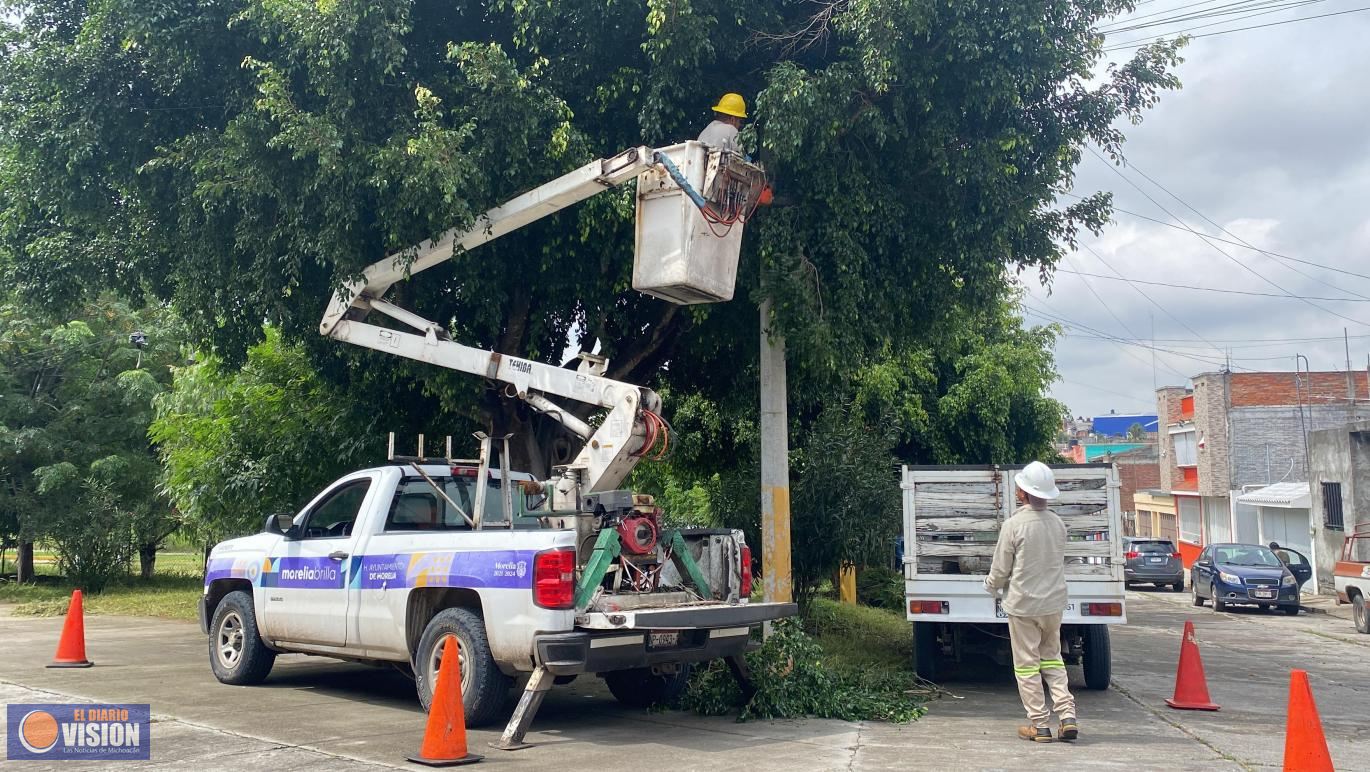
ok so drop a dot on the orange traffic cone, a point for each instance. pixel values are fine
(444, 740)
(1305, 747)
(1191, 688)
(71, 649)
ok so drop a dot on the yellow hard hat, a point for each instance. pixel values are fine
(732, 104)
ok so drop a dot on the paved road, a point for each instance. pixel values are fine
(314, 714)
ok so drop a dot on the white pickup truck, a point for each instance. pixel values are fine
(385, 564)
(952, 516)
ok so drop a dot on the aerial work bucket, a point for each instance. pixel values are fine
(689, 238)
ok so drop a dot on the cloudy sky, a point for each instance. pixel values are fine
(1270, 140)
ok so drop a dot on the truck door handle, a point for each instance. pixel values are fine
(339, 555)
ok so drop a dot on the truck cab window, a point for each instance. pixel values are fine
(333, 517)
(417, 507)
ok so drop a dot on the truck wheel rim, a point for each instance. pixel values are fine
(436, 661)
(230, 640)
(1359, 612)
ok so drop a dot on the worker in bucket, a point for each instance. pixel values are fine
(1029, 569)
(721, 133)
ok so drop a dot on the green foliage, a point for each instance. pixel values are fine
(90, 529)
(880, 587)
(844, 503)
(244, 158)
(239, 445)
(1136, 432)
(793, 681)
(75, 403)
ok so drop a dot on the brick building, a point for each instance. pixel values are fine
(1138, 471)
(1235, 433)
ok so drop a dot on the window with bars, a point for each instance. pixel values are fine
(1331, 506)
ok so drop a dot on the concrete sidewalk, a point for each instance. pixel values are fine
(317, 714)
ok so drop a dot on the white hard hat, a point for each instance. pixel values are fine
(1037, 480)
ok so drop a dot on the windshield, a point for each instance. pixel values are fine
(1242, 555)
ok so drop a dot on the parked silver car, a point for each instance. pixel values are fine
(1155, 561)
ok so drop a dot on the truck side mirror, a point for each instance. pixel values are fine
(281, 524)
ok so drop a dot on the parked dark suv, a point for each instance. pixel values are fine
(1155, 561)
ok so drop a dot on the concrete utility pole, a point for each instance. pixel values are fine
(775, 466)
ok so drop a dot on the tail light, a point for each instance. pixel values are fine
(746, 568)
(1102, 610)
(554, 578)
(1132, 555)
(929, 607)
(1174, 554)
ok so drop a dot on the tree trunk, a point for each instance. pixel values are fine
(147, 559)
(25, 559)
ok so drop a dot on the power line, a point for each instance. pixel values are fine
(1252, 342)
(1215, 247)
(1209, 289)
(1173, 226)
(1103, 390)
(1055, 318)
(1274, 358)
(1124, 341)
(1258, 9)
(1150, 299)
(1205, 218)
(1241, 29)
(1230, 9)
(1107, 308)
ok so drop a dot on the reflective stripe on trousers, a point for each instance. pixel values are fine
(1037, 659)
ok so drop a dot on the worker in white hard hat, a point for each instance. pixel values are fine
(721, 133)
(1029, 569)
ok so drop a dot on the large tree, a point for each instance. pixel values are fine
(242, 443)
(243, 157)
(76, 466)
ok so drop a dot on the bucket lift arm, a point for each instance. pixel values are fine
(608, 455)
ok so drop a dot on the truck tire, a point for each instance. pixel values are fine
(1360, 613)
(926, 651)
(484, 689)
(640, 688)
(237, 654)
(1098, 657)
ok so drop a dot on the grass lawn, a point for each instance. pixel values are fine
(171, 593)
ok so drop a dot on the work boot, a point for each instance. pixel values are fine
(1069, 729)
(1037, 734)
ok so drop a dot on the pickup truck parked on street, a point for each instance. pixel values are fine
(384, 565)
(952, 516)
(1352, 576)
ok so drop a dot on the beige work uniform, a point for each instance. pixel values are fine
(1029, 564)
(720, 135)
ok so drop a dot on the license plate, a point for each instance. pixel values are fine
(663, 640)
(1155, 560)
(1263, 593)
